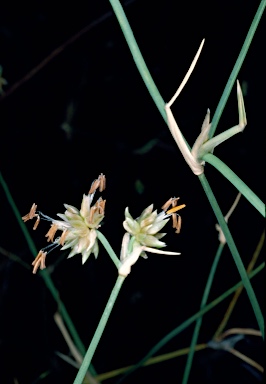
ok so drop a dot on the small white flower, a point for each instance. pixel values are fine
(143, 235)
(78, 226)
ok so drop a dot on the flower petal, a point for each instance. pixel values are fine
(85, 206)
(150, 241)
(148, 220)
(127, 214)
(152, 250)
(147, 211)
(156, 227)
(71, 209)
(131, 226)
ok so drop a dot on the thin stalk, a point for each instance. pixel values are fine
(14, 257)
(199, 320)
(108, 248)
(18, 216)
(99, 331)
(188, 322)
(137, 57)
(232, 78)
(151, 361)
(234, 252)
(46, 277)
(236, 181)
(239, 291)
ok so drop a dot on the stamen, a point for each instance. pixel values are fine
(52, 246)
(167, 204)
(43, 266)
(174, 218)
(36, 222)
(50, 234)
(31, 214)
(175, 209)
(63, 237)
(100, 205)
(92, 213)
(178, 226)
(98, 183)
(102, 180)
(44, 217)
(172, 201)
(94, 186)
(39, 261)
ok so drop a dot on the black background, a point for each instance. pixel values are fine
(113, 117)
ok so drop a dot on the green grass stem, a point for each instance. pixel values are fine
(236, 181)
(137, 57)
(233, 76)
(199, 320)
(108, 249)
(234, 252)
(99, 331)
(238, 292)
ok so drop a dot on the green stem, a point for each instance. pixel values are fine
(238, 292)
(137, 57)
(18, 216)
(188, 322)
(46, 277)
(236, 181)
(234, 252)
(232, 78)
(99, 331)
(108, 248)
(199, 320)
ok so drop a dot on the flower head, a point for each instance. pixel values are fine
(143, 234)
(78, 226)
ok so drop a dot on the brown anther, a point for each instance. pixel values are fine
(102, 180)
(100, 205)
(43, 258)
(178, 226)
(98, 183)
(63, 237)
(175, 209)
(103, 202)
(93, 210)
(94, 186)
(31, 214)
(172, 201)
(167, 204)
(36, 222)
(50, 234)
(39, 261)
(174, 218)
